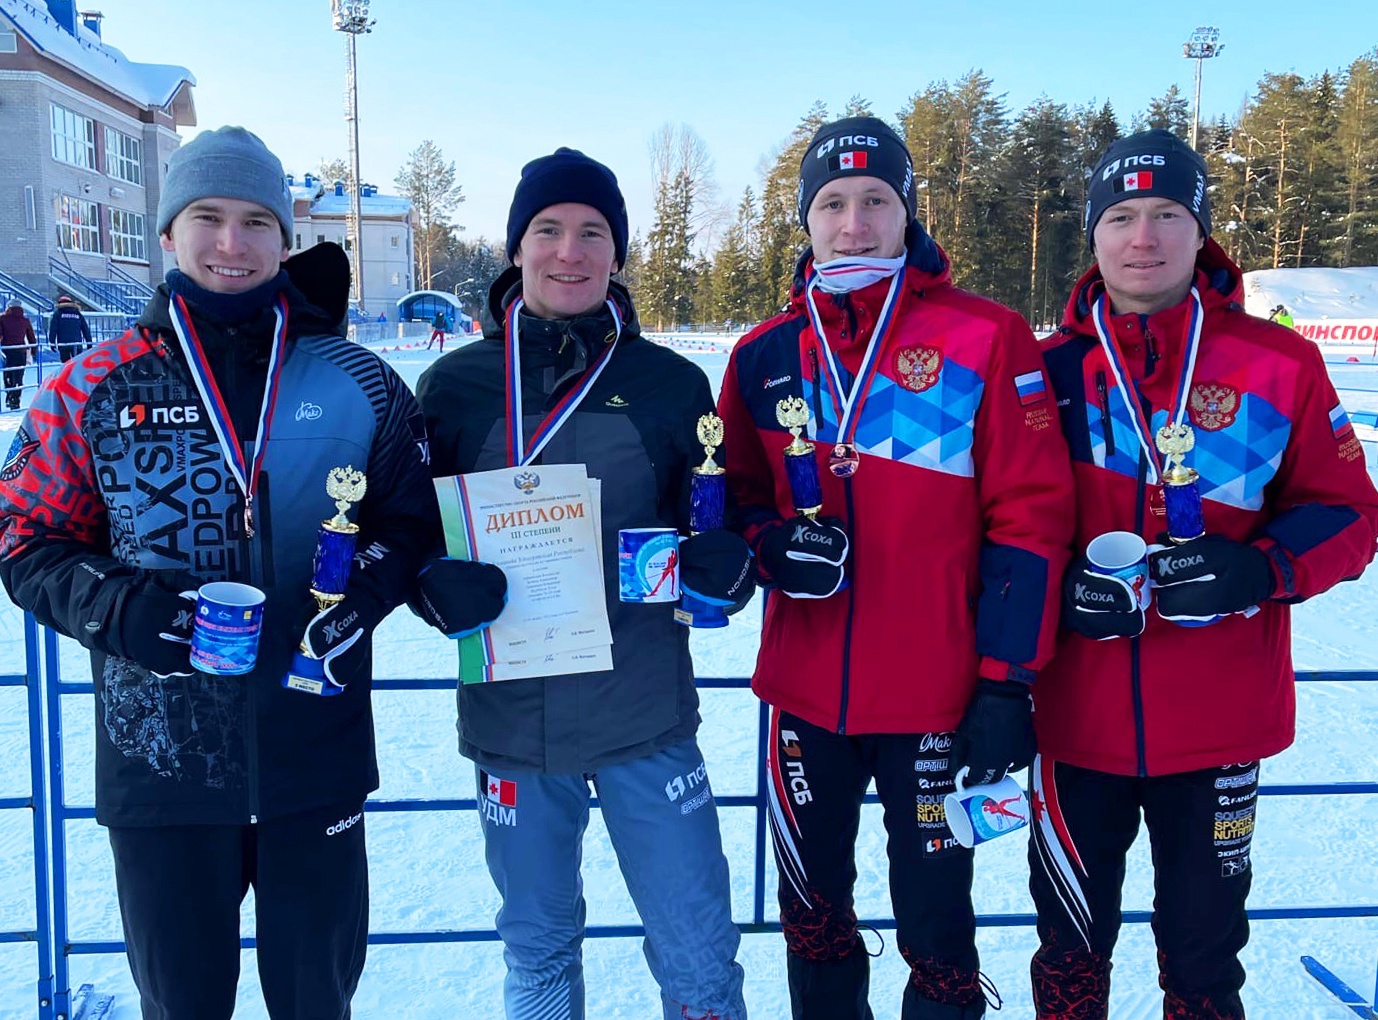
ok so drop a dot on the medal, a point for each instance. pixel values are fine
(245, 472)
(848, 400)
(844, 460)
(1176, 492)
(521, 450)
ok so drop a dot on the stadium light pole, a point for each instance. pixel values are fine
(1203, 44)
(352, 18)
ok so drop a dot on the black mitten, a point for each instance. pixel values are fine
(1099, 606)
(996, 734)
(459, 597)
(338, 635)
(715, 567)
(804, 557)
(1209, 576)
(153, 624)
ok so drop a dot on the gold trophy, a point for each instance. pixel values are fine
(335, 543)
(800, 466)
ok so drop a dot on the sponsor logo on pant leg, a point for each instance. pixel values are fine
(685, 785)
(793, 767)
(344, 824)
(497, 799)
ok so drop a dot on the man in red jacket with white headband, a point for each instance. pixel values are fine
(1165, 712)
(918, 596)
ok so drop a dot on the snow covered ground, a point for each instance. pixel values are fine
(427, 868)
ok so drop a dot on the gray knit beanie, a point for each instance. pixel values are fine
(229, 162)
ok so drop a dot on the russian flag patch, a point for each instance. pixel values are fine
(1339, 422)
(1030, 388)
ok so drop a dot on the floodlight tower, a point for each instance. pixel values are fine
(1203, 44)
(352, 18)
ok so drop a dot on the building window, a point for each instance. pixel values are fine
(348, 244)
(127, 235)
(320, 239)
(298, 242)
(123, 156)
(9, 42)
(394, 240)
(78, 224)
(74, 138)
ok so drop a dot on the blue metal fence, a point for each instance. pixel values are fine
(36, 802)
(56, 946)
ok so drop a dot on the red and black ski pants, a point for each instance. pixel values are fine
(1200, 828)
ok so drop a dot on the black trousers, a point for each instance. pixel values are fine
(817, 781)
(1200, 827)
(14, 378)
(180, 889)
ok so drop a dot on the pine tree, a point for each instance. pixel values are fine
(1357, 143)
(736, 283)
(1093, 129)
(1277, 121)
(331, 170)
(1038, 163)
(429, 182)
(1170, 111)
(858, 107)
(781, 238)
(683, 172)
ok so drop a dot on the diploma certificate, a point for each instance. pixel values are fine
(541, 525)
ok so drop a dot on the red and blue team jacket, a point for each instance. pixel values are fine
(1280, 467)
(959, 516)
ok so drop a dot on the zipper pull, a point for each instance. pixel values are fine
(817, 390)
(1106, 424)
(1150, 350)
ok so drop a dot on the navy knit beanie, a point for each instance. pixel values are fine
(567, 175)
(855, 147)
(1151, 164)
(228, 162)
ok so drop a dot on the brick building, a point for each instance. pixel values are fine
(86, 137)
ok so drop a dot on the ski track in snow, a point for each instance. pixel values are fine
(427, 868)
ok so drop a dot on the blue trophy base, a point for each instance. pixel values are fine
(308, 674)
(695, 612)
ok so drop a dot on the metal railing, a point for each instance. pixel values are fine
(56, 945)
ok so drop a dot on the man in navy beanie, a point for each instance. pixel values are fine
(565, 377)
(910, 612)
(1156, 714)
(178, 455)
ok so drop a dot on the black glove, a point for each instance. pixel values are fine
(1209, 576)
(1099, 606)
(338, 635)
(803, 557)
(996, 734)
(459, 597)
(715, 567)
(154, 623)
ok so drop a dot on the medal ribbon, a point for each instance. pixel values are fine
(847, 403)
(521, 451)
(245, 474)
(1129, 391)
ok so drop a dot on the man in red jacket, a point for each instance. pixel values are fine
(1151, 712)
(916, 592)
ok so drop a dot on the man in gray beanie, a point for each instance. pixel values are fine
(210, 783)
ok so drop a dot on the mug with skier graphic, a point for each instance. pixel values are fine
(978, 814)
(648, 565)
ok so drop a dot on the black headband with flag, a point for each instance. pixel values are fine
(1150, 164)
(855, 147)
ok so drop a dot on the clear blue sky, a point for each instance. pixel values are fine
(495, 84)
